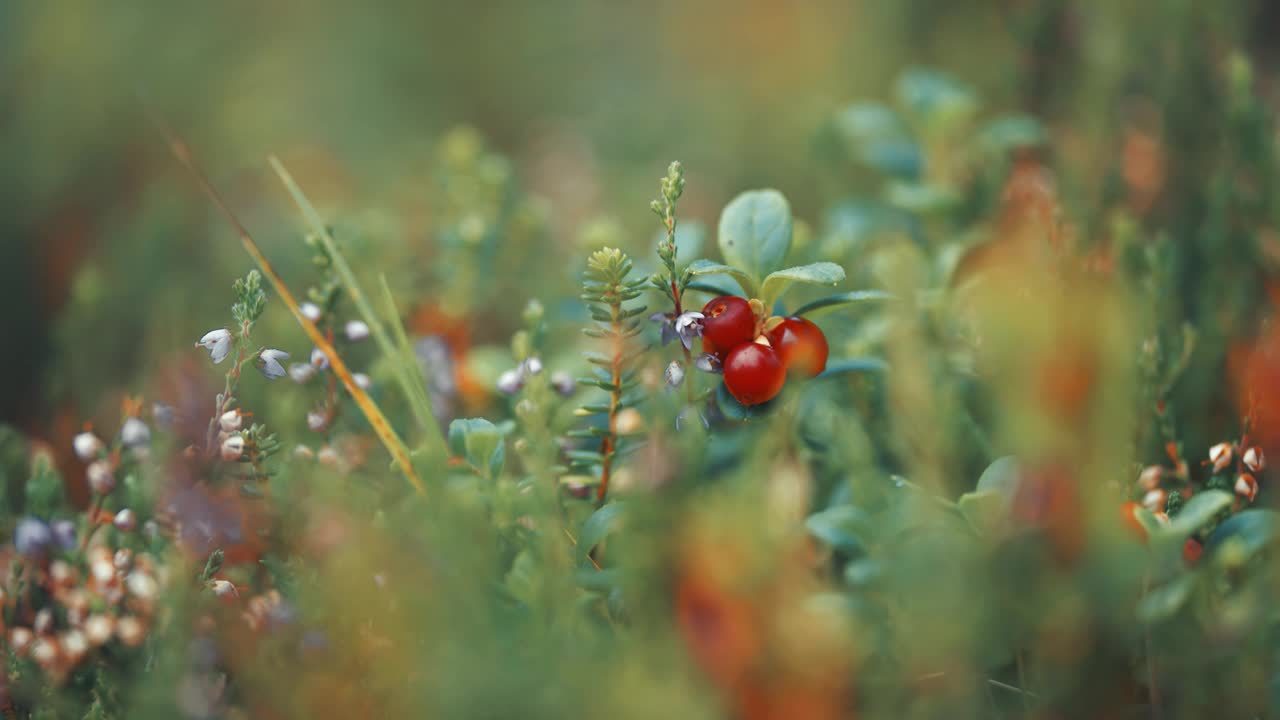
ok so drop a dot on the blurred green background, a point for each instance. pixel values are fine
(589, 100)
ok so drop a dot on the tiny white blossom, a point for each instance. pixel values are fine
(218, 343)
(269, 363)
(356, 330)
(232, 447)
(329, 456)
(101, 479)
(510, 382)
(310, 311)
(163, 415)
(707, 362)
(317, 420)
(303, 452)
(224, 590)
(87, 445)
(532, 366)
(134, 433)
(301, 372)
(231, 421)
(563, 382)
(675, 374)
(362, 381)
(125, 520)
(319, 360)
(688, 326)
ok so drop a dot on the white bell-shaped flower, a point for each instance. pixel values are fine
(269, 363)
(218, 343)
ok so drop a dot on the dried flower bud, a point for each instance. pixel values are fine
(62, 574)
(45, 653)
(231, 421)
(233, 447)
(674, 374)
(135, 433)
(531, 366)
(131, 631)
(218, 343)
(356, 330)
(224, 590)
(301, 372)
(563, 383)
(510, 382)
(98, 629)
(101, 479)
(20, 639)
(87, 445)
(1155, 500)
(1220, 456)
(1254, 459)
(1150, 477)
(103, 572)
(142, 586)
(32, 537)
(74, 645)
(1246, 487)
(125, 520)
(43, 624)
(270, 365)
(328, 456)
(319, 360)
(310, 311)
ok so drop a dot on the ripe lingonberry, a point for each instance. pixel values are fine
(753, 373)
(800, 345)
(727, 323)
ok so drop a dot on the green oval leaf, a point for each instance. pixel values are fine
(1163, 602)
(832, 303)
(819, 273)
(755, 232)
(853, 365)
(921, 198)
(1253, 530)
(600, 524)
(1202, 509)
(699, 268)
(842, 527)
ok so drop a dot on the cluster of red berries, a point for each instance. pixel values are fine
(756, 352)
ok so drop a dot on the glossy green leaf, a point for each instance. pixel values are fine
(819, 273)
(853, 365)
(844, 528)
(701, 267)
(755, 232)
(598, 526)
(1249, 530)
(1165, 601)
(1202, 509)
(832, 303)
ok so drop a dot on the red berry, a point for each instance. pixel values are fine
(753, 373)
(1191, 551)
(728, 322)
(1129, 514)
(801, 346)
